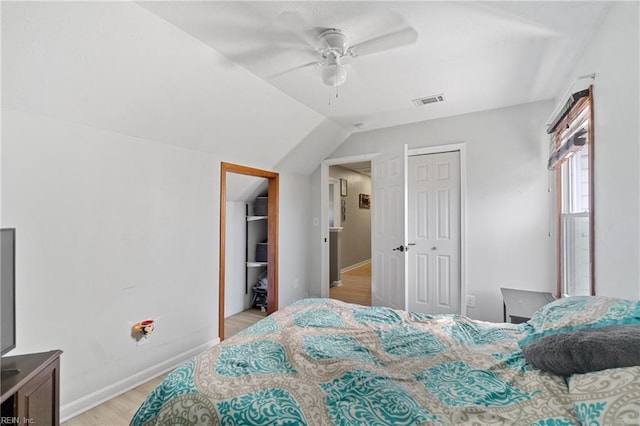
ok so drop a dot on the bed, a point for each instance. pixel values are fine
(322, 362)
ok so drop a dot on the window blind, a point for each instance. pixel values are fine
(570, 129)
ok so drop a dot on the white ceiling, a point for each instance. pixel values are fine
(116, 66)
(480, 55)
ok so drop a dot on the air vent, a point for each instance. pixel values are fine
(434, 99)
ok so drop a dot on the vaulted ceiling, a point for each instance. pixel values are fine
(224, 78)
(479, 55)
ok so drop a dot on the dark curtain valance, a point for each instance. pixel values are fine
(573, 99)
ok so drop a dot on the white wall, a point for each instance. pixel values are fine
(507, 198)
(315, 243)
(294, 263)
(613, 55)
(111, 230)
(235, 298)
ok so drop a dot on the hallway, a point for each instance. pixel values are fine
(356, 286)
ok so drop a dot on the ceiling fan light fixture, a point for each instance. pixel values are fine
(334, 75)
(335, 41)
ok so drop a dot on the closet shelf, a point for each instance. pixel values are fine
(256, 253)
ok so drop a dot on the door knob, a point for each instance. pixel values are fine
(434, 248)
(399, 248)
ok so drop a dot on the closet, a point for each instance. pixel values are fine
(246, 260)
(256, 252)
(248, 241)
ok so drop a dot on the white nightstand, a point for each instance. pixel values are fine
(519, 305)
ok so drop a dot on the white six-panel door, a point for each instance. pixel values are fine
(433, 284)
(389, 228)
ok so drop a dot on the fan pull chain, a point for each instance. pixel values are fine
(330, 94)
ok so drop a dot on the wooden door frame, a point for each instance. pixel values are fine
(272, 235)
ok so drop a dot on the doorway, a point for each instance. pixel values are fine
(272, 236)
(349, 215)
(324, 223)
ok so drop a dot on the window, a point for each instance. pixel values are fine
(571, 156)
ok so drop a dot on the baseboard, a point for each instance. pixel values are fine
(79, 406)
(354, 266)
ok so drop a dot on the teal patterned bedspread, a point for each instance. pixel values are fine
(323, 362)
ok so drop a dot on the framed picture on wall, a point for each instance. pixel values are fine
(365, 201)
(343, 187)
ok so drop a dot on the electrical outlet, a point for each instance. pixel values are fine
(471, 301)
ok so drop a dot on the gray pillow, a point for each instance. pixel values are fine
(586, 350)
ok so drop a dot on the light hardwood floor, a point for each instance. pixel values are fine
(119, 410)
(238, 322)
(356, 286)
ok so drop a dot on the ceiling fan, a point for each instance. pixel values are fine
(335, 50)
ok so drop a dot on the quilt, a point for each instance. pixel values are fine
(323, 362)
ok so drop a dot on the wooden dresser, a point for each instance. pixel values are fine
(31, 395)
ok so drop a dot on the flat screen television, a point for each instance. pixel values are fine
(8, 289)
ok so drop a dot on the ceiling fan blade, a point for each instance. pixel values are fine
(293, 23)
(384, 42)
(307, 65)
